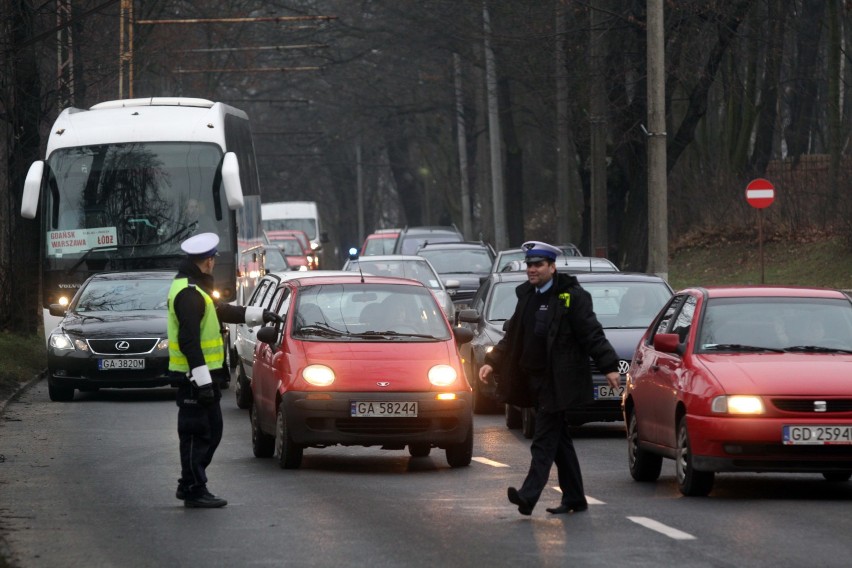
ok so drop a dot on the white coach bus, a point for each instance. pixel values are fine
(124, 182)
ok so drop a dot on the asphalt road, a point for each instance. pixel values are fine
(91, 483)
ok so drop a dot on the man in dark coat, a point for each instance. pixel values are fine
(543, 361)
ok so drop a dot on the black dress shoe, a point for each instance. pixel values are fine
(180, 493)
(578, 507)
(204, 501)
(524, 506)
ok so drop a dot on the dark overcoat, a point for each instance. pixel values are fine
(574, 334)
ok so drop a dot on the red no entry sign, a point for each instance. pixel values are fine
(760, 193)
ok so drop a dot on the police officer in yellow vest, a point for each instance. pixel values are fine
(197, 358)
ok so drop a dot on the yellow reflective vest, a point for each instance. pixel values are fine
(211, 336)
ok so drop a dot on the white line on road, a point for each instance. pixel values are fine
(661, 528)
(590, 500)
(487, 461)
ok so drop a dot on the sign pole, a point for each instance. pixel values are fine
(760, 243)
(760, 193)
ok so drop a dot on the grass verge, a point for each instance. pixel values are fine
(24, 356)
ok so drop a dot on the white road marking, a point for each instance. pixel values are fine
(492, 463)
(590, 500)
(661, 528)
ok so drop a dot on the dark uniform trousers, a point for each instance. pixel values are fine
(199, 431)
(552, 443)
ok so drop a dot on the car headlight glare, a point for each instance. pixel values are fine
(738, 404)
(81, 345)
(162, 345)
(318, 375)
(61, 342)
(442, 375)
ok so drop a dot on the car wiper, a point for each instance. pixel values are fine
(815, 349)
(86, 316)
(370, 334)
(320, 329)
(739, 347)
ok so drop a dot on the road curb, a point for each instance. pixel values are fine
(21, 388)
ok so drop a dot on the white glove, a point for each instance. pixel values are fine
(201, 376)
(254, 316)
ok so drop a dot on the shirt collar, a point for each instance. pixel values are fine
(546, 287)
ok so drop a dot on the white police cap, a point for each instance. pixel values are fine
(536, 251)
(201, 246)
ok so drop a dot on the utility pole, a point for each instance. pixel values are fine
(359, 180)
(658, 244)
(125, 49)
(501, 238)
(569, 189)
(467, 224)
(597, 128)
(64, 55)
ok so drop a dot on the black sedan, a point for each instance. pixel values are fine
(624, 303)
(113, 334)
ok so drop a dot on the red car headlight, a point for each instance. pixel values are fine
(318, 375)
(442, 375)
(738, 404)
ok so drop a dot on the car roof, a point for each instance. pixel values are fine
(291, 274)
(763, 291)
(584, 277)
(384, 233)
(388, 257)
(431, 230)
(349, 278)
(460, 244)
(134, 275)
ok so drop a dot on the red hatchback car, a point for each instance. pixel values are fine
(360, 361)
(743, 379)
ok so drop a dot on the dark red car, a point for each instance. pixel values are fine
(361, 361)
(743, 379)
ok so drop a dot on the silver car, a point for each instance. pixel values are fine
(408, 266)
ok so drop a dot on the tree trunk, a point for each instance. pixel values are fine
(768, 108)
(20, 276)
(804, 88)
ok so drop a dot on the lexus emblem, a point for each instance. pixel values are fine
(383, 383)
(820, 406)
(623, 366)
(122, 345)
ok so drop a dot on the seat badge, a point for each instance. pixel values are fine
(820, 406)
(383, 383)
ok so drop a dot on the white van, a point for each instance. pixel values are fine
(294, 215)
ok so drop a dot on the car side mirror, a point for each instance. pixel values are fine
(667, 342)
(468, 316)
(462, 335)
(57, 310)
(268, 335)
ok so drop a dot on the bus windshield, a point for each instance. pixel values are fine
(132, 199)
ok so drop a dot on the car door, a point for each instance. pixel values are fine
(672, 374)
(246, 335)
(267, 357)
(652, 376)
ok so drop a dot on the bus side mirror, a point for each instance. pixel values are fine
(32, 189)
(231, 181)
